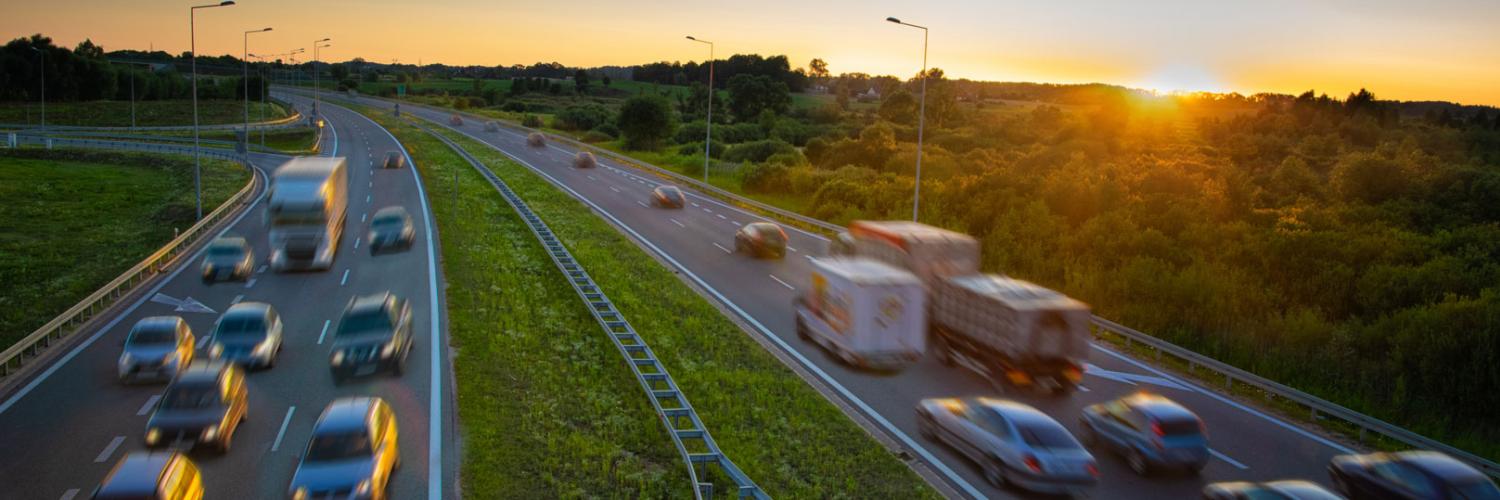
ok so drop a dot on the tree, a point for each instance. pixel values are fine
(1369, 178)
(696, 103)
(606, 80)
(339, 71)
(581, 81)
(646, 120)
(749, 95)
(817, 69)
(899, 108)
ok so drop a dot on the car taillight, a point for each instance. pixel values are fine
(1156, 429)
(1093, 471)
(1033, 464)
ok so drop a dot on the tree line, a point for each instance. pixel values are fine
(87, 73)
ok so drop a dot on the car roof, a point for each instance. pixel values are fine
(391, 210)
(203, 372)
(1159, 407)
(224, 241)
(138, 473)
(669, 187)
(1438, 464)
(156, 323)
(366, 304)
(1017, 413)
(346, 414)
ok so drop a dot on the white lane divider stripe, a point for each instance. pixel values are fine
(110, 449)
(237, 299)
(612, 188)
(150, 403)
(368, 198)
(356, 242)
(324, 332)
(791, 248)
(679, 224)
(783, 283)
(592, 178)
(721, 247)
(276, 445)
(363, 216)
(1226, 458)
(345, 280)
(721, 216)
(69, 495)
(250, 282)
(641, 203)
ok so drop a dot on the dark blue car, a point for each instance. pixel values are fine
(1409, 475)
(1150, 431)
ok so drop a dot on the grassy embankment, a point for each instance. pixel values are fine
(73, 220)
(548, 406)
(148, 113)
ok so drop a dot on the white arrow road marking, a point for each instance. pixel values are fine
(184, 305)
(1132, 378)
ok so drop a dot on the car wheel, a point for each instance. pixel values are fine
(400, 367)
(993, 474)
(223, 447)
(924, 427)
(1138, 463)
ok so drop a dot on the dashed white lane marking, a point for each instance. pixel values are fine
(68, 495)
(783, 283)
(721, 216)
(367, 198)
(706, 209)
(735, 222)
(110, 449)
(641, 203)
(695, 204)
(237, 299)
(261, 270)
(150, 403)
(345, 280)
(356, 242)
(721, 247)
(1082, 388)
(324, 332)
(612, 188)
(809, 258)
(791, 248)
(363, 216)
(679, 224)
(250, 282)
(1228, 460)
(592, 178)
(276, 445)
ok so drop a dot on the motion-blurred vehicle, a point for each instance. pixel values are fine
(394, 159)
(390, 230)
(1151, 431)
(203, 407)
(761, 240)
(308, 202)
(491, 126)
(455, 120)
(374, 334)
(668, 196)
(163, 475)
(585, 159)
(867, 313)
(249, 334)
(1274, 490)
(536, 139)
(1409, 475)
(1011, 442)
(156, 349)
(352, 453)
(228, 258)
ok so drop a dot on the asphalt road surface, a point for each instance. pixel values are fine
(71, 422)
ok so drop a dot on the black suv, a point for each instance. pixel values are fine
(374, 334)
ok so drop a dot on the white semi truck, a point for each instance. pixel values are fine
(867, 313)
(308, 202)
(1008, 331)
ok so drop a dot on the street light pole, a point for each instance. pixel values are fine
(245, 76)
(317, 92)
(708, 123)
(43, 56)
(193, 55)
(916, 196)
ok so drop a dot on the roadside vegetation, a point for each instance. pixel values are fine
(73, 220)
(147, 113)
(548, 406)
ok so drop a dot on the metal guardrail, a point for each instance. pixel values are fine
(681, 421)
(1315, 405)
(67, 323)
(52, 142)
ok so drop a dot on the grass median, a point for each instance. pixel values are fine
(73, 220)
(548, 406)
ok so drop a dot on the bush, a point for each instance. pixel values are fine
(584, 159)
(739, 132)
(536, 140)
(767, 178)
(514, 107)
(594, 136)
(794, 132)
(757, 151)
(646, 121)
(609, 129)
(582, 116)
(531, 121)
(715, 150)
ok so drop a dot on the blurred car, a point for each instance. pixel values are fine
(374, 334)
(204, 406)
(390, 230)
(352, 453)
(1151, 431)
(1274, 490)
(761, 239)
(668, 196)
(1409, 475)
(455, 120)
(156, 349)
(1011, 442)
(248, 333)
(165, 475)
(394, 159)
(491, 126)
(228, 258)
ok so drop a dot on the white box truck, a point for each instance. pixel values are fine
(1009, 330)
(866, 313)
(308, 202)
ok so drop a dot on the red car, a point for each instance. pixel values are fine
(761, 239)
(668, 196)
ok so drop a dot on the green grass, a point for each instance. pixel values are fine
(548, 406)
(148, 113)
(74, 220)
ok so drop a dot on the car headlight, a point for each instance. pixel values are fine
(262, 349)
(126, 360)
(208, 269)
(210, 433)
(388, 349)
(152, 435)
(215, 350)
(363, 488)
(338, 358)
(170, 359)
(299, 494)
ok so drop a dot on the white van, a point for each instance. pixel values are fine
(869, 314)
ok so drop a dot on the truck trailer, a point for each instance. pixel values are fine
(866, 313)
(1009, 330)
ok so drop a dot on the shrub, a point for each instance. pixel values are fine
(739, 132)
(584, 159)
(594, 136)
(767, 178)
(609, 129)
(757, 151)
(646, 121)
(582, 116)
(536, 140)
(514, 107)
(715, 150)
(531, 121)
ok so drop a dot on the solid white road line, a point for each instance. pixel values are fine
(721, 247)
(345, 280)
(324, 332)
(250, 282)
(783, 283)
(69, 495)
(276, 445)
(679, 224)
(150, 403)
(1226, 458)
(109, 449)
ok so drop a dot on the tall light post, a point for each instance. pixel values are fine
(43, 65)
(245, 75)
(264, 92)
(193, 58)
(132, 88)
(916, 196)
(317, 93)
(708, 123)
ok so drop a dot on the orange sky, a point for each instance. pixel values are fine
(1441, 50)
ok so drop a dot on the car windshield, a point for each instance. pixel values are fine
(242, 327)
(388, 220)
(195, 397)
(370, 321)
(1481, 489)
(771, 234)
(224, 250)
(1179, 427)
(1046, 436)
(341, 446)
(146, 336)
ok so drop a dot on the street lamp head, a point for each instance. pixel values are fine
(690, 37)
(226, 3)
(894, 20)
(267, 29)
(323, 40)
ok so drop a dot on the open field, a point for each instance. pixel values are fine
(148, 113)
(549, 407)
(73, 220)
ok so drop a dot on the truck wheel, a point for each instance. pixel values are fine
(943, 354)
(802, 330)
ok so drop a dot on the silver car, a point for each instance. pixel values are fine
(248, 334)
(390, 230)
(1011, 442)
(228, 258)
(156, 349)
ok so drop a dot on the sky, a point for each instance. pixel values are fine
(1433, 50)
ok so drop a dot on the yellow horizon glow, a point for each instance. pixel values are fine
(1441, 51)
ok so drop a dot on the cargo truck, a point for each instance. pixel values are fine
(1006, 330)
(308, 201)
(866, 313)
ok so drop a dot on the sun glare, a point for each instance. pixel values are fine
(1180, 79)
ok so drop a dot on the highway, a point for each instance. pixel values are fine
(72, 421)
(1247, 443)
